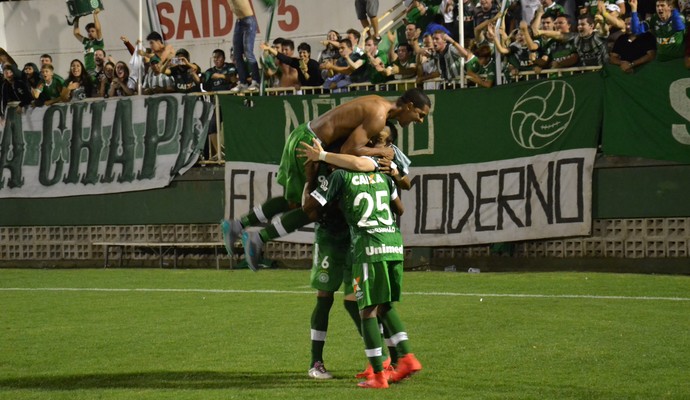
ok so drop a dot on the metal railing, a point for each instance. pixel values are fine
(390, 86)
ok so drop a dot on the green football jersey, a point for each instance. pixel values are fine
(487, 71)
(90, 47)
(364, 198)
(669, 42)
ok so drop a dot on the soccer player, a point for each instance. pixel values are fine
(377, 254)
(331, 263)
(353, 124)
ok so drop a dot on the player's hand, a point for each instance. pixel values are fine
(311, 153)
(386, 152)
(385, 167)
(633, 5)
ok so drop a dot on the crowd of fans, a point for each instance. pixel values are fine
(532, 35)
(160, 69)
(527, 35)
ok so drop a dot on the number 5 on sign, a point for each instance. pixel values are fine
(290, 23)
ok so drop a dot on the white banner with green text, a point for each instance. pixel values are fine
(101, 146)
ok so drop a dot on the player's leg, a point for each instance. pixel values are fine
(349, 299)
(292, 176)
(319, 330)
(372, 349)
(407, 362)
(329, 257)
(232, 229)
(290, 221)
(370, 293)
(392, 350)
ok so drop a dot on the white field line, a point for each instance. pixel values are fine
(311, 292)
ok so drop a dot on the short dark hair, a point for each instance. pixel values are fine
(184, 53)
(354, 32)
(483, 51)
(304, 46)
(394, 131)
(279, 40)
(89, 26)
(47, 56)
(415, 96)
(407, 46)
(588, 17)
(289, 43)
(347, 42)
(373, 39)
(155, 36)
(219, 52)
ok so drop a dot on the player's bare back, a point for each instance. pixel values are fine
(368, 112)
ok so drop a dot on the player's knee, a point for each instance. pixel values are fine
(323, 293)
(311, 209)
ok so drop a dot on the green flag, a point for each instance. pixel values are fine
(647, 113)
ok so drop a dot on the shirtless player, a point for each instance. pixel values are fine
(347, 129)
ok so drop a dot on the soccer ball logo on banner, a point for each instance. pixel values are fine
(542, 114)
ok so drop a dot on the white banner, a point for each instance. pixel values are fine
(538, 197)
(101, 146)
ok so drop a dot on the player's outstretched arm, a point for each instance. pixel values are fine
(316, 153)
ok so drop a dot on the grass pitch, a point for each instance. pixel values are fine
(201, 334)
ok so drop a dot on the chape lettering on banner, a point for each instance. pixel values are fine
(101, 146)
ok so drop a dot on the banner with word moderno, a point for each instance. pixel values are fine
(101, 146)
(488, 165)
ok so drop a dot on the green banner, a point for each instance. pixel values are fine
(464, 126)
(647, 114)
(488, 165)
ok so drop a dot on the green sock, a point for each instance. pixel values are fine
(372, 343)
(288, 223)
(353, 310)
(398, 336)
(264, 212)
(392, 351)
(319, 327)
